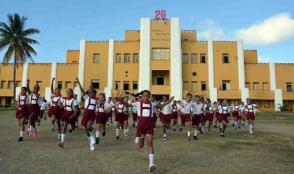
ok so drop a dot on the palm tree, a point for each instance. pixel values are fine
(15, 38)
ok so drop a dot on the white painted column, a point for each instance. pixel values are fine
(53, 75)
(108, 89)
(25, 74)
(212, 89)
(176, 80)
(145, 49)
(81, 67)
(278, 92)
(241, 72)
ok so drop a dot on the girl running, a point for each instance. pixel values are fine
(21, 111)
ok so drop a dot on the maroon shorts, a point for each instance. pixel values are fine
(145, 126)
(174, 115)
(68, 117)
(101, 118)
(120, 117)
(34, 108)
(55, 111)
(135, 116)
(165, 118)
(41, 113)
(208, 116)
(185, 118)
(88, 115)
(223, 117)
(109, 114)
(236, 114)
(250, 116)
(21, 113)
(196, 119)
(126, 116)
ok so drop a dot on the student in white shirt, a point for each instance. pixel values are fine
(186, 108)
(250, 110)
(224, 114)
(165, 114)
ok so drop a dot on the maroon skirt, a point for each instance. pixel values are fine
(21, 113)
(88, 115)
(101, 118)
(145, 126)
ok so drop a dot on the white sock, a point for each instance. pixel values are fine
(195, 132)
(117, 132)
(20, 133)
(250, 127)
(125, 131)
(189, 133)
(30, 128)
(58, 135)
(97, 134)
(62, 137)
(164, 135)
(151, 159)
(235, 123)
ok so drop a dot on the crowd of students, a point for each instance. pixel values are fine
(193, 112)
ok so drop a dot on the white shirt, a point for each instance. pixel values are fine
(167, 109)
(186, 107)
(34, 98)
(236, 108)
(250, 108)
(56, 100)
(211, 109)
(43, 106)
(134, 108)
(120, 108)
(147, 109)
(70, 104)
(198, 108)
(90, 103)
(22, 99)
(223, 109)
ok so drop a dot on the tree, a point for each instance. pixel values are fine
(15, 39)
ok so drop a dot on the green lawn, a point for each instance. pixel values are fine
(270, 150)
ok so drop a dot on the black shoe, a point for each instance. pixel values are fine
(97, 140)
(45, 118)
(174, 129)
(103, 134)
(215, 126)
(70, 130)
(195, 137)
(20, 139)
(222, 134)
(133, 125)
(117, 137)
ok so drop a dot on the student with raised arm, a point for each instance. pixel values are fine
(89, 115)
(165, 114)
(56, 108)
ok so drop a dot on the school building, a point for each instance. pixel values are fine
(166, 59)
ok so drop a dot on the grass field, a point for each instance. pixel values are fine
(269, 150)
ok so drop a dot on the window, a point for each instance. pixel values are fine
(67, 84)
(247, 85)
(127, 58)
(59, 84)
(255, 86)
(194, 85)
(117, 58)
(117, 85)
(10, 84)
(126, 85)
(185, 58)
(2, 84)
(18, 83)
(135, 85)
(226, 85)
(96, 58)
(95, 84)
(75, 84)
(202, 58)
(203, 86)
(160, 53)
(264, 86)
(185, 85)
(289, 87)
(225, 58)
(135, 58)
(160, 80)
(193, 58)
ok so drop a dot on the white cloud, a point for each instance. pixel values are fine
(210, 30)
(272, 30)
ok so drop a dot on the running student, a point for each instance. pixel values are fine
(210, 114)
(236, 113)
(33, 109)
(56, 108)
(70, 105)
(165, 114)
(186, 108)
(174, 114)
(198, 113)
(89, 113)
(21, 110)
(111, 104)
(102, 109)
(250, 110)
(145, 127)
(224, 114)
(134, 113)
(43, 106)
(121, 112)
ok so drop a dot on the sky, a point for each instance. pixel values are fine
(265, 25)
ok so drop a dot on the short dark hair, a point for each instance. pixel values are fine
(189, 94)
